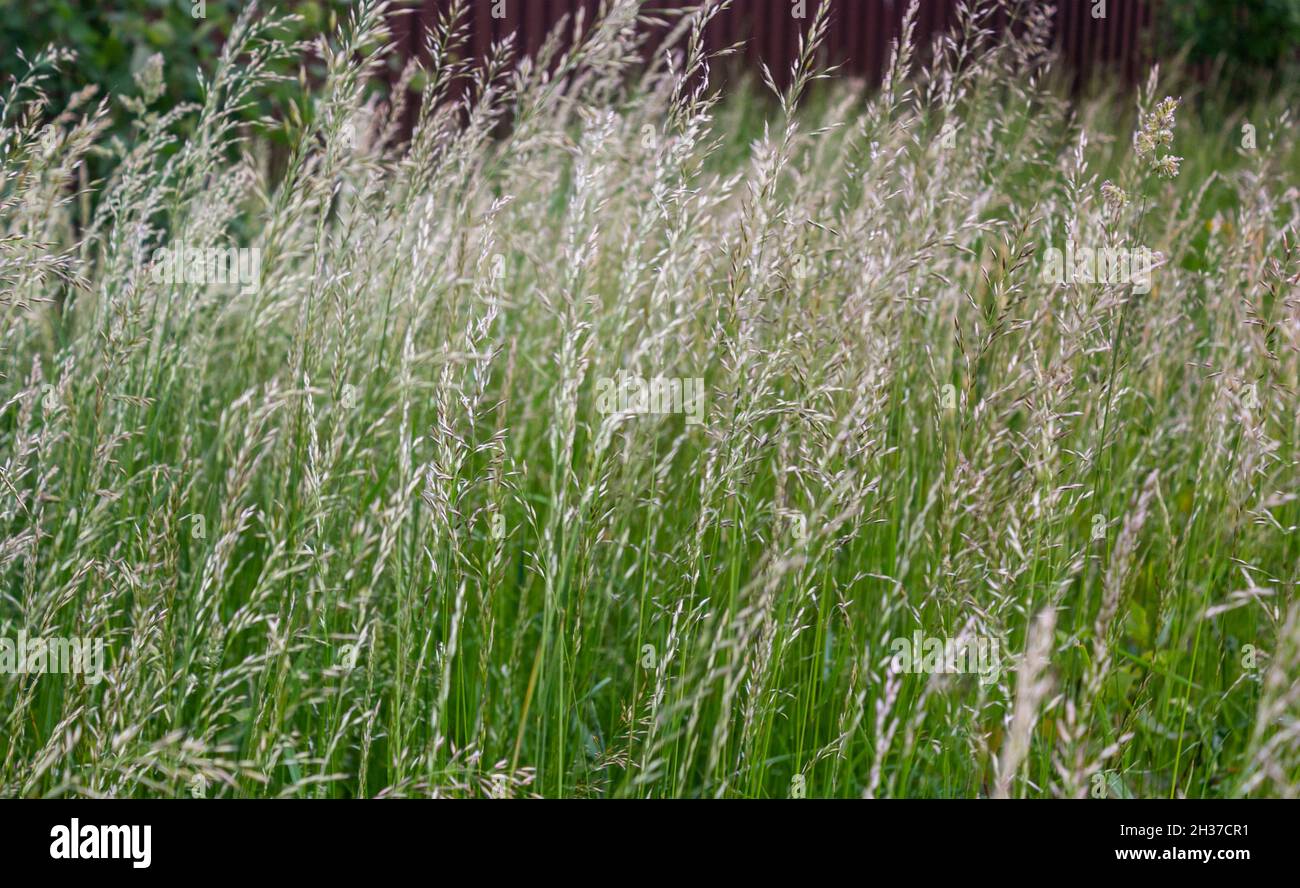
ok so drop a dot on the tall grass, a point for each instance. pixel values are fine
(361, 528)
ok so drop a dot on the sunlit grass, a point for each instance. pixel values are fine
(361, 529)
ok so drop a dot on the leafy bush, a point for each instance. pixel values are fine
(1249, 36)
(113, 43)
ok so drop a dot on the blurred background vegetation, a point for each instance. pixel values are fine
(1238, 50)
(1251, 40)
(113, 41)
(1248, 44)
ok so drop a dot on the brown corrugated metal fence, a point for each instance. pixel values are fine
(1107, 46)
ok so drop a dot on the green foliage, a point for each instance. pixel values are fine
(114, 41)
(1250, 37)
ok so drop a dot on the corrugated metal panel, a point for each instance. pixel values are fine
(860, 34)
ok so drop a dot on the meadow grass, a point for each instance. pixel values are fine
(362, 526)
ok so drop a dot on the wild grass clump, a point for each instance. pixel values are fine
(358, 525)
